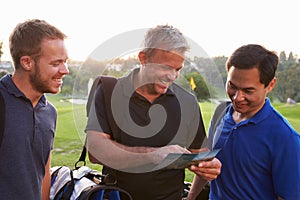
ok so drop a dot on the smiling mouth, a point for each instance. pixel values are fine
(58, 80)
(239, 105)
(164, 83)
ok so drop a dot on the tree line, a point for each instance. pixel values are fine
(287, 75)
(208, 74)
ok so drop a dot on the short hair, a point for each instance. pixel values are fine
(27, 37)
(164, 37)
(255, 56)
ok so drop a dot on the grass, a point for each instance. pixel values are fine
(69, 137)
(71, 121)
(291, 112)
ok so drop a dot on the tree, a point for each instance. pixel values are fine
(202, 90)
(287, 85)
(282, 61)
(220, 62)
(282, 56)
(291, 59)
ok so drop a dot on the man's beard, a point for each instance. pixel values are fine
(35, 79)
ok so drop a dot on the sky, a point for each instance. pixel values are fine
(218, 26)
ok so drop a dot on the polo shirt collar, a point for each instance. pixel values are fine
(12, 89)
(262, 114)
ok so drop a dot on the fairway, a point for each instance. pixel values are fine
(70, 136)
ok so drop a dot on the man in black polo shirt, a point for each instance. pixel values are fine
(152, 116)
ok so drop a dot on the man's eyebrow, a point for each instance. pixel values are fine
(247, 88)
(59, 60)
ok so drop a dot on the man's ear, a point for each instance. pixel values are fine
(271, 85)
(142, 57)
(26, 62)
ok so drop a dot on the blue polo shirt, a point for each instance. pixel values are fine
(260, 157)
(27, 141)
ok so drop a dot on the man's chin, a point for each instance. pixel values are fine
(54, 91)
(240, 109)
(161, 91)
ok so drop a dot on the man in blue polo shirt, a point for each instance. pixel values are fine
(260, 150)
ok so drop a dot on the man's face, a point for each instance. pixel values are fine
(245, 90)
(162, 69)
(50, 68)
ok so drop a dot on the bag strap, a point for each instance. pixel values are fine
(81, 157)
(109, 83)
(64, 193)
(91, 191)
(91, 94)
(2, 117)
(68, 193)
(219, 113)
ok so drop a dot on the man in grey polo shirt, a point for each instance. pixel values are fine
(39, 55)
(152, 116)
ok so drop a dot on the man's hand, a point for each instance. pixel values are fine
(208, 170)
(159, 154)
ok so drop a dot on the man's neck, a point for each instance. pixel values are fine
(144, 89)
(24, 85)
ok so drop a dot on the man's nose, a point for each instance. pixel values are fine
(238, 96)
(64, 69)
(172, 75)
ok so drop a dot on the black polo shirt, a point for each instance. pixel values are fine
(173, 118)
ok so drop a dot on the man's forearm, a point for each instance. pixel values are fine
(118, 156)
(197, 186)
(46, 180)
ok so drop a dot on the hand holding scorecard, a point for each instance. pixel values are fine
(180, 161)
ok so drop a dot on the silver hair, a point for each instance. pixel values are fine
(164, 37)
